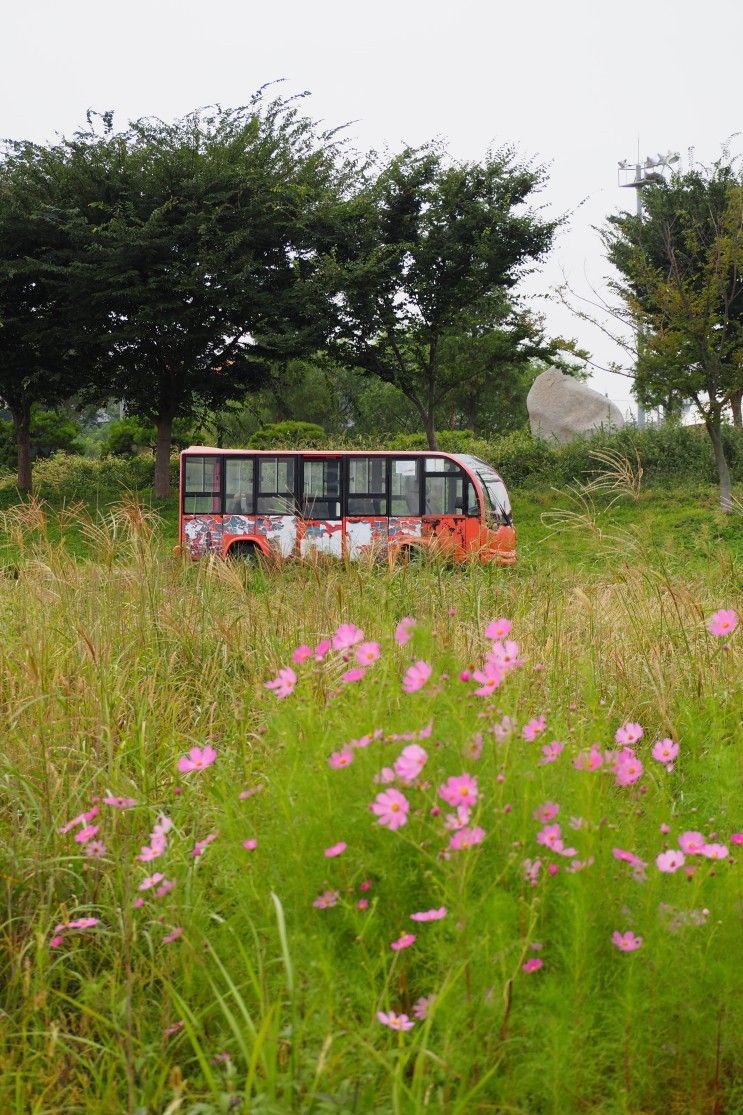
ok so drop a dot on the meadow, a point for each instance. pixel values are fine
(475, 848)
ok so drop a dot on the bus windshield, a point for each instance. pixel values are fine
(495, 489)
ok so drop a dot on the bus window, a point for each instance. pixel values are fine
(239, 489)
(276, 483)
(201, 486)
(367, 486)
(444, 495)
(405, 490)
(321, 498)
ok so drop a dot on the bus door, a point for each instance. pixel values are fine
(366, 523)
(276, 503)
(445, 505)
(320, 528)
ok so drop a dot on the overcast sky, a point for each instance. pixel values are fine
(572, 84)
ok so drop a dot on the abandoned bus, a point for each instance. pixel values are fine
(245, 503)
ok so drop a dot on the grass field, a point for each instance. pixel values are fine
(252, 976)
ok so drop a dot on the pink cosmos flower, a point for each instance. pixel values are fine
(531, 870)
(362, 904)
(284, 682)
(628, 768)
(86, 834)
(200, 845)
(589, 760)
(416, 676)
(55, 942)
(342, 758)
(665, 751)
(301, 654)
(120, 803)
(356, 673)
(736, 838)
(488, 679)
(250, 845)
(151, 881)
(692, 843)
(367, 653)
(551, 837)
(475, 748)
(322, 649)
(629, 734)
(628, 857)
(503, 730)
(395, 1021)
(173, 1028)
(198, 758)
(723, 622)
(366, 885)
(498, 629)
(429, 915)
(173, 935)
(579, 865)
(464, 675)
(385, 776)
(533, 728)
(327, 899)
(458, 820)
(403, 942)
(78, 923)
(165, 888)
(466, 838)
(335, 850)
(403, 633)
(551, 752)
(626, 942)
(152, 851)
(138, 903)
(162, 826)
(96, 849)
(505, 655)
(546, 812)
(410, 763)
(670, 861)
(459, 790)
(391, 808)
(422, 1006)
(533, 964)
(347, 636)
(715, 851)
(81, 819)
(251, 792)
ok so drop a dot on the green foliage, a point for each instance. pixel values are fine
(289, 435)
(450, 441)
(75, 478)
(50, 432)
(127, 436)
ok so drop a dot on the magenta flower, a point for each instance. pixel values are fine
(488, 679)
(326, 900)
(429, 915)
(120, 803)
(498, 629)
(533, 964)
(151, 881)
(422, 1006)
(466, 838)
(736, 838)
(626, 942)
(628, 857)
(410, 763)
(335, 850)
(322, 649)
(96, 849)
(81, 819)
(385, 776)
(459, 790)
(367, 653)
(533, 728)
(692, 843)
(251, 792)
(723, 622)
(589, 760)
(356, 673)
(86, 834)
(551, 752)
(152, 851)
(715, 851)
(628, 768)
(458, 820)
(395, 1021)
(551, 837)
(403, 942)
(505, 656)
(198, 758)
(173, 935)
(391, 808)
(362, 904)
(55, 942)
(546, 812)
(201, 845)
(284, 682)
(629, 734)
(250, 845)
(531, 870)
(347, 636)
(165, 888)
(342, 758)
(301, 654)
(416, 676)
(670, 861)
(403, 633)
(78, 923)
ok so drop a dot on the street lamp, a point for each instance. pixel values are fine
(637, 177)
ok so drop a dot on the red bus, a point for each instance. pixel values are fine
(246, 503)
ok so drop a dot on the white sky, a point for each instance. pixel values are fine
(572, 83)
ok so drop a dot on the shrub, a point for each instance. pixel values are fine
(127, 436)
(50, 433)
(83, 478)
(289, 435)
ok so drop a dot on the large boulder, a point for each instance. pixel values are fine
(562, 408)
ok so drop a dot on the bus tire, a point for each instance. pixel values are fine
(248, 552)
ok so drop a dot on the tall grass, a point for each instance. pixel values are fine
(113, 668)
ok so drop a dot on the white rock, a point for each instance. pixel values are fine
(562, 408)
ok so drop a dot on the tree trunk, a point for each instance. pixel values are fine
(430, 426)
(735, 405)
(164, 428)
(723, 472)
(22, 423)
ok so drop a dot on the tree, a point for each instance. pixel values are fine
(201, 263)
(426, 245)
(681, 276)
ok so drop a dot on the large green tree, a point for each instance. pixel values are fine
(201, 264)
(427, 244)
(681, 278)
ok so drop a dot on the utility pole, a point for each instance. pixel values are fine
(636, 178)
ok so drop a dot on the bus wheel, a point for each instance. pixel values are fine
(246, 552)
(408, 555)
